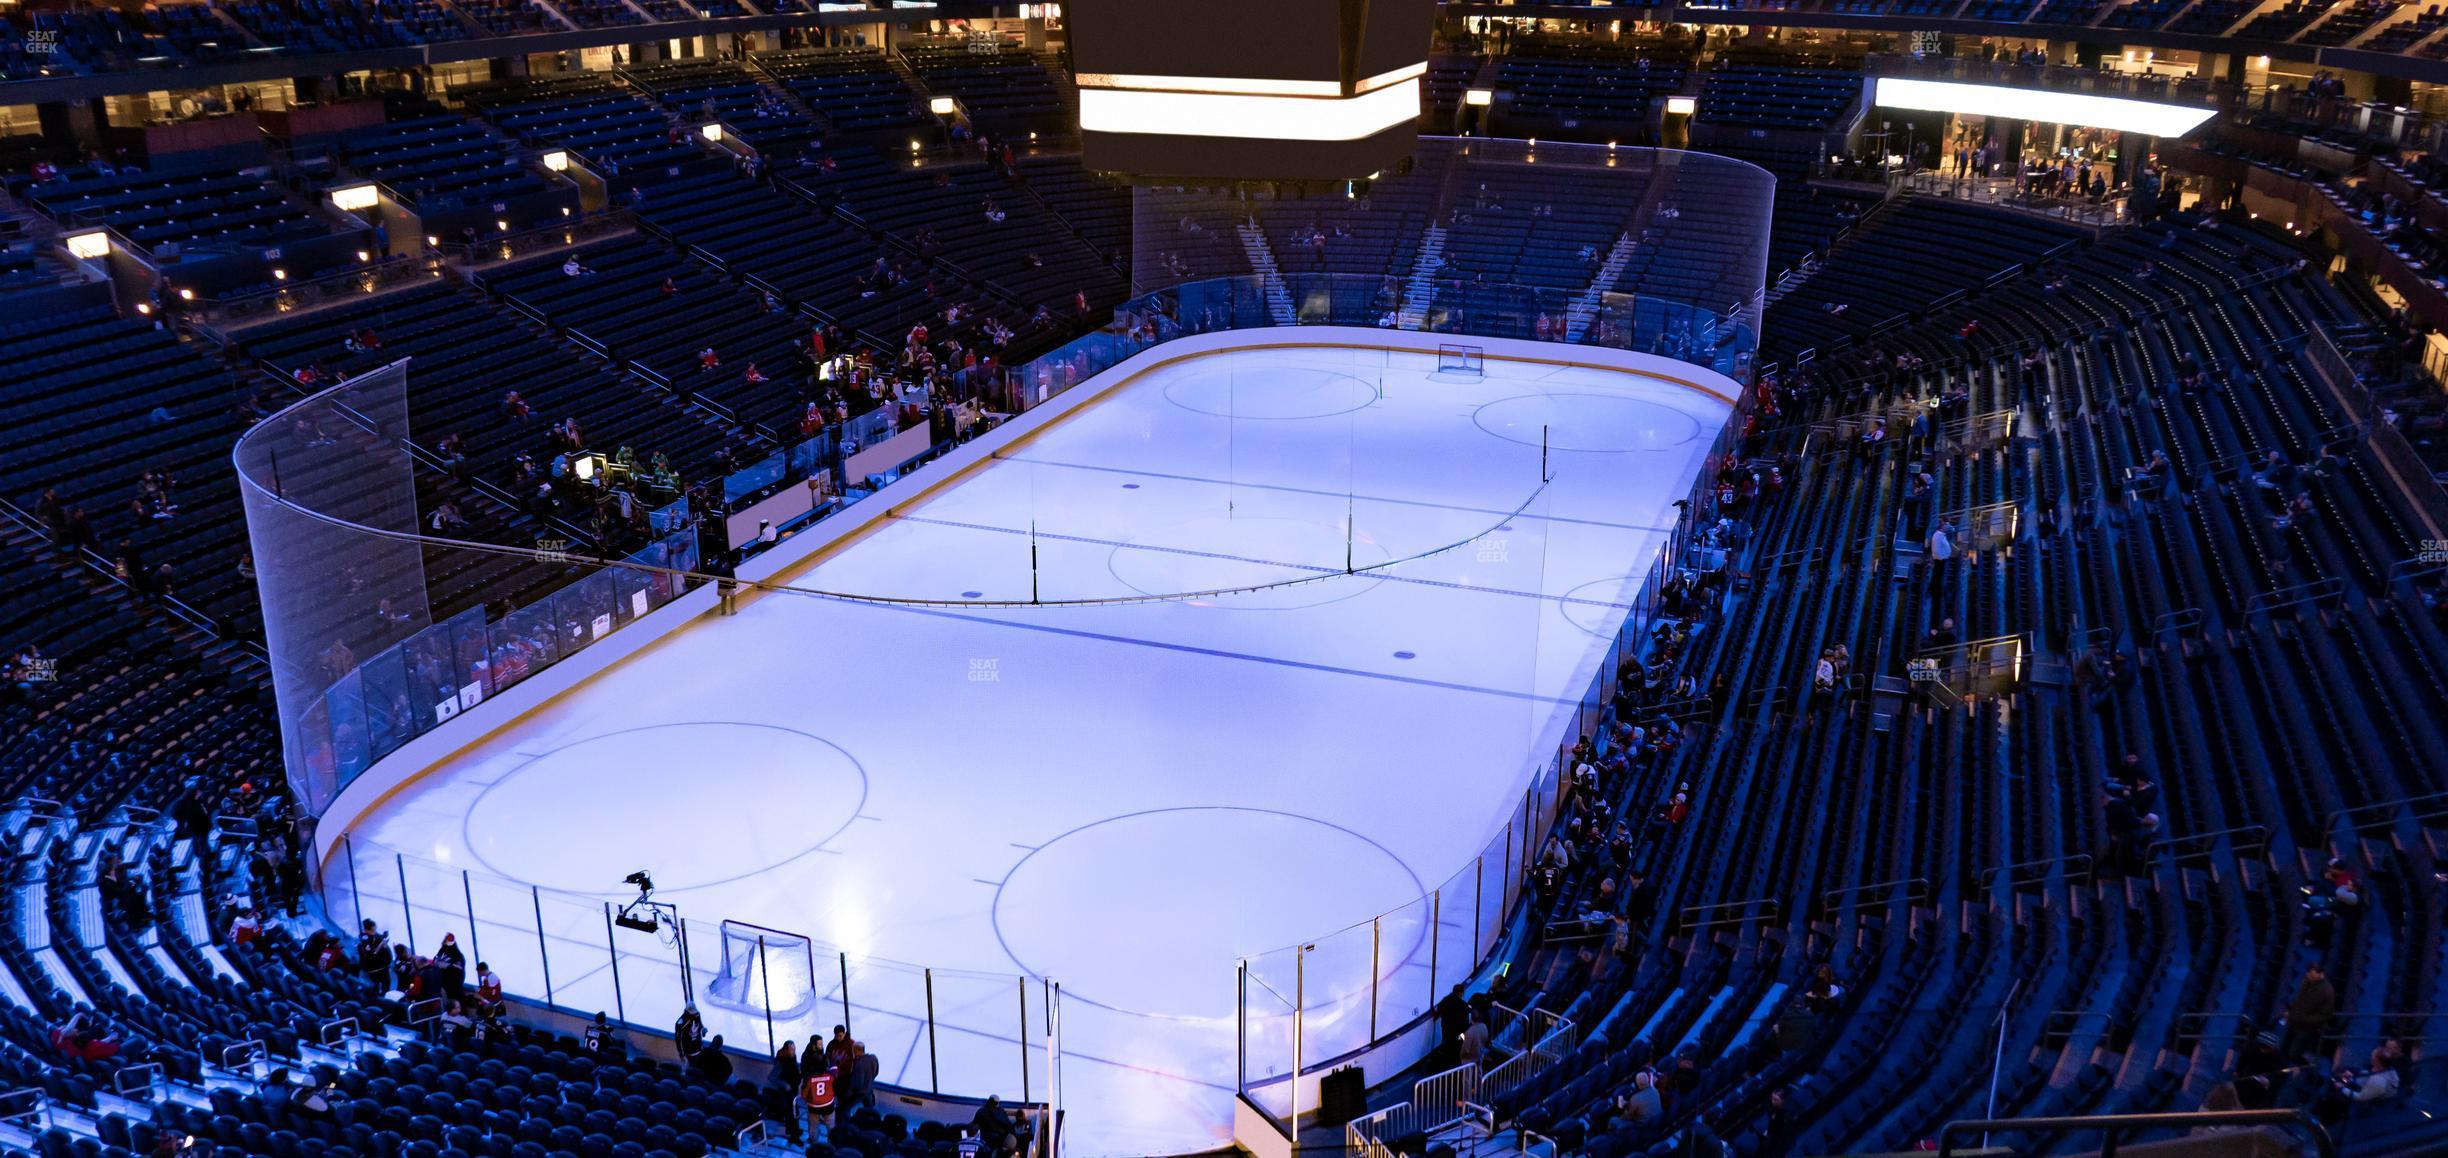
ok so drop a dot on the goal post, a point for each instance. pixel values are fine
(764, 969)
(1457, 358)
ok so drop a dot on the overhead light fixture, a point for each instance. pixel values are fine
(89, 246)
(356, 197)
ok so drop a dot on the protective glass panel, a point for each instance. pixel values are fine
(330, 497)
(523, 643)
(383, 686)
(1270, 1026)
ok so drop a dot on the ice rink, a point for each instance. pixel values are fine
(1123, 797)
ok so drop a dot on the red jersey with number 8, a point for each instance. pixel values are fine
(818, 1090)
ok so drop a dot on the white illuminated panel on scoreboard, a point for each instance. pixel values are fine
(2026, 104)
(1282, 118)
(1252, 90)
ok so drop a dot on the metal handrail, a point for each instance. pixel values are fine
(1989, 875)
(37, 1101)
(1827, 900)
(151, 1072)
(2319, 591)
(2254, 836)
(575, 231)
(1762, 909)
(249, 1052)
(2423, 806)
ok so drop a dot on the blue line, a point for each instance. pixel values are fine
(1337, 494)
(1217, 653)
(1383, 573)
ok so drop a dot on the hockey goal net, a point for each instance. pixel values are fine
(764, 969)
(1455, 358)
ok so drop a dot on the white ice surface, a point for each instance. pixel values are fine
(1126, 798)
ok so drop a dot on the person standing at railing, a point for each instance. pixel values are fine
(489, 1003)
(859, 1078)
(2309, 1014)
(1453, 1018)
(782, 1096)
(373, 953)
(713, 1063)
(817, 1097)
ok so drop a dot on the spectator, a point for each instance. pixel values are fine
(712, 1062)
(2221, 1099)
(817, 1096)
(600, 1038)
(84, 1037)
(785, 1088)
(994, 1127)
(1940, 636)
(489, 1000)
(1824, 993)
(1642, 1103)
(1453, 1017)
(2380, 1080)
(859, 1081)
(2309, 1014)
(373, 952)
(1941, 545)
(688, 1033)
(452, 964)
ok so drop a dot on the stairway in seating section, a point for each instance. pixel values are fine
(1584, 307)
(1064, 86)
(1270, 277)
(1421, 290)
